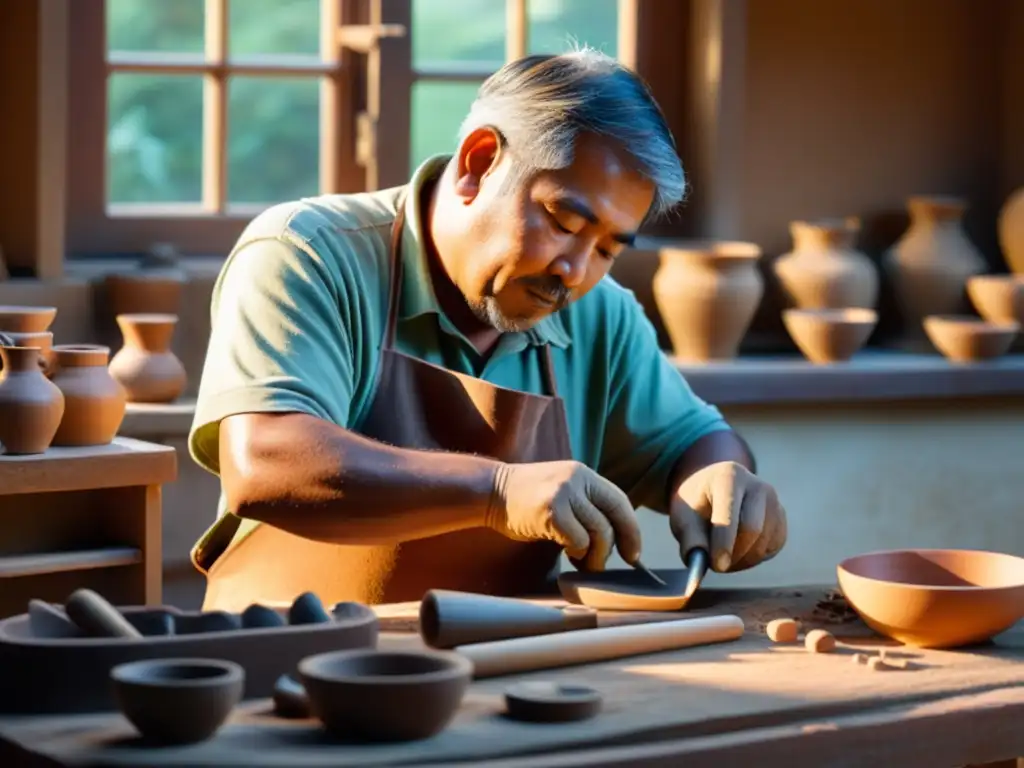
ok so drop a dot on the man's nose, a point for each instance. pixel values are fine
(571, 267)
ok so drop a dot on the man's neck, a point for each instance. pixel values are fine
(481, 335)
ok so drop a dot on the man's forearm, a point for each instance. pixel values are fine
(317, 480)
(724, 445)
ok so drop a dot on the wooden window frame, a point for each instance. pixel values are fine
(212, 226)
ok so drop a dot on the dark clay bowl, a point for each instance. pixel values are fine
(935, 598)
(178, 701)
(369, 695)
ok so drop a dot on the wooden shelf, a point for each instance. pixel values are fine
(16, 566)
(124, 462)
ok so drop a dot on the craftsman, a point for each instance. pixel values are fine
(438, 385)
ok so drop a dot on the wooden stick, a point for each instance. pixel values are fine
(526, 654)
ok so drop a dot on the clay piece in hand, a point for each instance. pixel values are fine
(625, 589)
(782, 630)
(290, 699)
(819, 641)
(258, 616)
(178, 701)
(545, 702)
(98, 618)
(307, 609)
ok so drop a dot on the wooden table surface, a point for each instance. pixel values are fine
(746, 702)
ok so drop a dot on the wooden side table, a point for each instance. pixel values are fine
(83, 517)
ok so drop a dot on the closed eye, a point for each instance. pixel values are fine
(565, 230)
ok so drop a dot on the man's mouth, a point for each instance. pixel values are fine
(543, 298)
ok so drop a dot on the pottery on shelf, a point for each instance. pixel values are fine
(18, 319)
(178, 701)
(998, 298)
(153, 284)
(1011, 231)
(935, 598)
(145, 366)
(31, 406)
(829, 335)
(371, 695)
(965, 338)
(930, 264)
(94, 403)
(824, 270)
(707, 294)
(41, 339)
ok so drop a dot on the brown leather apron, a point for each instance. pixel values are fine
(416, 405)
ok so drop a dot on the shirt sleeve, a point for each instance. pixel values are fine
(278, 342)
(653, 414)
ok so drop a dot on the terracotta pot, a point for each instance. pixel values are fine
(1011, 231)
(824, 270)
(94, 401)
(30, 405)
(43, 340)
(829, 335)
(707, 294)
(14, 319)
(154, 284)
(929, 265)
(964, 339)
(145, 365)
(998, 298)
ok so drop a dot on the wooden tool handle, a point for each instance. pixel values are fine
(526, 654)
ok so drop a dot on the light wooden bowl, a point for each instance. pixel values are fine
(829, 335)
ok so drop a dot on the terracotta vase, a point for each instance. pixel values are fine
(824, 270)
(1011, 231)
(145, 365)
(18, 319)
(154, 284)
(30, 405)
(929, 265)
(707, 294)
(43, 340)
(94, 402)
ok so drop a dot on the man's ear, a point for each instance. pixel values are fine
(478, 156)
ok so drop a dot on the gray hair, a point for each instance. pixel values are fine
(541, 104)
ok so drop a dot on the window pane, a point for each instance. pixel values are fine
(460, 31)
(145, 25)
(273, 138)
(264, 27)
(154, 138)
(438, 109)
(556, 25)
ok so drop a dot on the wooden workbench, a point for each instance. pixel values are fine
(741, 703)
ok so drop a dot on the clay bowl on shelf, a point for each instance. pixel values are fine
(16, 319)
(964, 339)
(178, 701)
(829, 335)
(998, 298)
(371, 695)
(935, 598)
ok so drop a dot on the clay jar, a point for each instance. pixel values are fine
(154, 284)
(824, 271)
(1011, 231)
(707, 294)
(30, 405)
(94, 402)
(929, 265)
(145, 365)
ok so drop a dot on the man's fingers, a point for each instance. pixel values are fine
(601, 533)
(617, 509)
(726, 499)
(781, 529)
(569, 533)
(758, 552)
(750, 534)
(688, 528)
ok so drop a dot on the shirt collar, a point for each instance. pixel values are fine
(418, 297)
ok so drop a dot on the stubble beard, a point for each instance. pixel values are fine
(488, 312)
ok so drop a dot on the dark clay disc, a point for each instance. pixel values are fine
(542, 702)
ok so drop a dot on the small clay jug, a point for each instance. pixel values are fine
(145, 365)
(94, 402)
(929, 265)
(707, 294)
(824, 270)
(41, 339)
(30, 405)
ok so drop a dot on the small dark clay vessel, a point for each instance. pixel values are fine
(369, 695)
(178, 701)
(94, 401)
(145, 366)
(546, 702)
(31, 407)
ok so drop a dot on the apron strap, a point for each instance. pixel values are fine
(547, 365)
(395, 268)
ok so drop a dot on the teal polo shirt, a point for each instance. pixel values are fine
(298, 314)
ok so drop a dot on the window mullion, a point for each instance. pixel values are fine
(330, 97)
(516, 29)
(215, 108)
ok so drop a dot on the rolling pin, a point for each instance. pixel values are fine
(526, 654)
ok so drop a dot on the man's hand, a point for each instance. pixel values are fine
(741, 512)
(568, 503)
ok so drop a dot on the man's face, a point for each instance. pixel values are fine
(531, 246)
